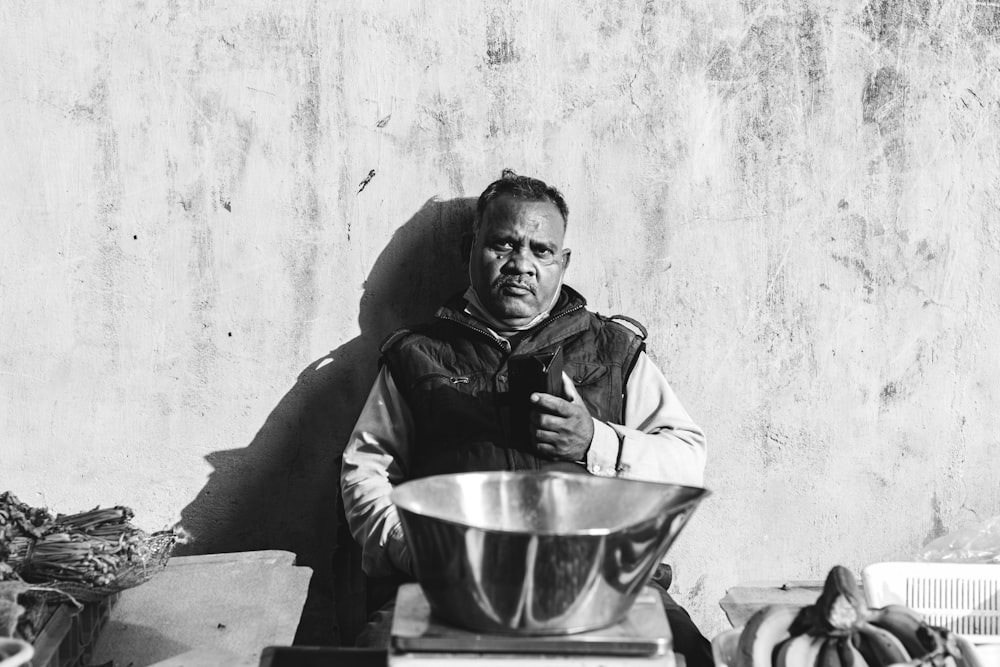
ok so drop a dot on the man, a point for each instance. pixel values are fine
(441, 404)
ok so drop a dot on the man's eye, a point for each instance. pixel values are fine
(501, 246)
(544, 253)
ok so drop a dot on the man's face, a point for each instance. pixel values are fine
(517, 260)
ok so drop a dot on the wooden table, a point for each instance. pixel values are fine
(217, 609)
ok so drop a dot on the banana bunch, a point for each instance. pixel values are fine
(839, 630)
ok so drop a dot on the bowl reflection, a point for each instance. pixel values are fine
(538, 553)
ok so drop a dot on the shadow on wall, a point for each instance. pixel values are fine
(281, 491)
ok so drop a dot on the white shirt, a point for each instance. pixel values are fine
(658, 442)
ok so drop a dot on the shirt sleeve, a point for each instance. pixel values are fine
(374, 461)
(658, 442)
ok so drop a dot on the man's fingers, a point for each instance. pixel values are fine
(543, 441)
(569, 389)
(550, 423)
(551, 404)
(558, 405)
(547, 444)
(544, 431)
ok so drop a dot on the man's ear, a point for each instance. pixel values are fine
(566, 253)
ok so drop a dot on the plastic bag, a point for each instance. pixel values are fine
(979, 543)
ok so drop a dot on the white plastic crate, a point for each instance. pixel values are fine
(962, 597)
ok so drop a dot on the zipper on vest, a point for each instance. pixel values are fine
(555, 317)
(563, 313)
(503, 343)
(454, 379)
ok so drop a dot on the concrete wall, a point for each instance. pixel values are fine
(799, 199)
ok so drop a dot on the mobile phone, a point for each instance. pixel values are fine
(527, 374)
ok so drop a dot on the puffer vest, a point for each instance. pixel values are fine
(453, 375)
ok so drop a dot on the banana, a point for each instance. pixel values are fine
(904, 624)
(800, 651)
(879, 646)
(840, 631)
(951, 647)
(969, 657)
(840, 603)
(850, 656)
(932, 638)
(762, 633)
(828, 655)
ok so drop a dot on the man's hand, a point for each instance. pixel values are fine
(563, 427)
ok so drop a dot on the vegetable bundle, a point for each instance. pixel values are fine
(88, 554)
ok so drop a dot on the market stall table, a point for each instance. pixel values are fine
(217, 609)
(740, 602)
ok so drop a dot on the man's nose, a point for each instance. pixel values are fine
(519, 261)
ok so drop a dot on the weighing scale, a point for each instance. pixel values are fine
(641, 639)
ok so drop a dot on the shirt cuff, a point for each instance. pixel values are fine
(602, 457)
(398, 550)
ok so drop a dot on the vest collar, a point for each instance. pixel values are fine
(567, 318)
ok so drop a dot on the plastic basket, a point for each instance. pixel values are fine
(66, 635)
(962, 597)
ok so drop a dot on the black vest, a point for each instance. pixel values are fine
(452, 373)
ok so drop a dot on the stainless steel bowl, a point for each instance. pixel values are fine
(537, 553)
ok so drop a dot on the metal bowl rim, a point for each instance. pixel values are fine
(581, 532)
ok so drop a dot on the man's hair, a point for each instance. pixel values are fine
(511, 184)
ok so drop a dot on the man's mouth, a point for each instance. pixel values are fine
(515, 288)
